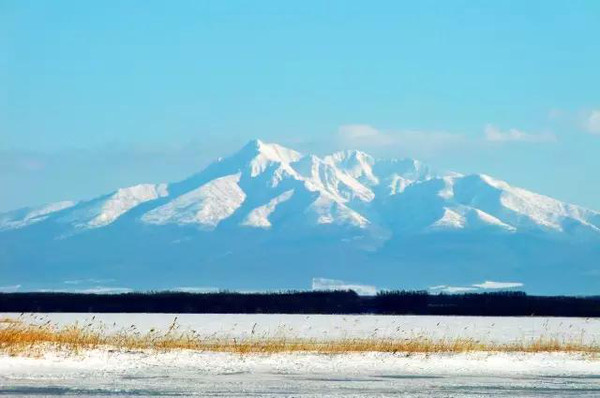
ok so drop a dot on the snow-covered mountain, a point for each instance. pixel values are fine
(271, 217)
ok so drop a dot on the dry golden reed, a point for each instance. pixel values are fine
(19, 338)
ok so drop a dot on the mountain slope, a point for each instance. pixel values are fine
(270, 217)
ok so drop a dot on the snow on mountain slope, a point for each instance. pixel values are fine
(205, 206)
(24, 217)
(357, 164)
(520, 208)
(324, 176)
(125, 199)
(347, 188)
(541, 209)
(271, 153)
(256, 157)
(330, 211)
(105, 210)
(387, 176)
(259, 216)
(461, 217)
(266, 172)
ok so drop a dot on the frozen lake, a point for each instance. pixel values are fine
(183, 373)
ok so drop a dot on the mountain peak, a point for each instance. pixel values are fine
(258, 155)
(271, 151)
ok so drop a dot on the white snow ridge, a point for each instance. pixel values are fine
(125, 199)
(22, 218)
(348, 188)
(107, 209)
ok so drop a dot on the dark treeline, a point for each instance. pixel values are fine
(338, 302)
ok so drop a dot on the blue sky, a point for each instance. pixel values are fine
(98, 95)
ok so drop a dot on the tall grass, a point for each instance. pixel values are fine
(19, 338)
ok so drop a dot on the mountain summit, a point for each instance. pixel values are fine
(269, 217)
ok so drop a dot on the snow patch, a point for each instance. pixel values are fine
(498, 285)
(476, 286)
(195, 289)
(491, 220)
(450, 220)
(452, 289)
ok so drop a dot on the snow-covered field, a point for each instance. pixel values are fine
(240, 326)
(185, 373)
(306, 375)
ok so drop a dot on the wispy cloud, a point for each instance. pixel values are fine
(365, 136)
(360, 132)
(495, 134)
(592, 122)
(425, 144)
(334, 284)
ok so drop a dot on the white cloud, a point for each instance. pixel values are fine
(498, 285)
(592, 122)
(493, 133)
(413, 142)
(351, 132)
(333, 284)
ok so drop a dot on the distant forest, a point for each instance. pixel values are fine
(293, 302)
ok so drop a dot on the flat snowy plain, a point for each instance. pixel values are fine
(185, 373)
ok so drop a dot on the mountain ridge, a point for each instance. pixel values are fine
(266, 197)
